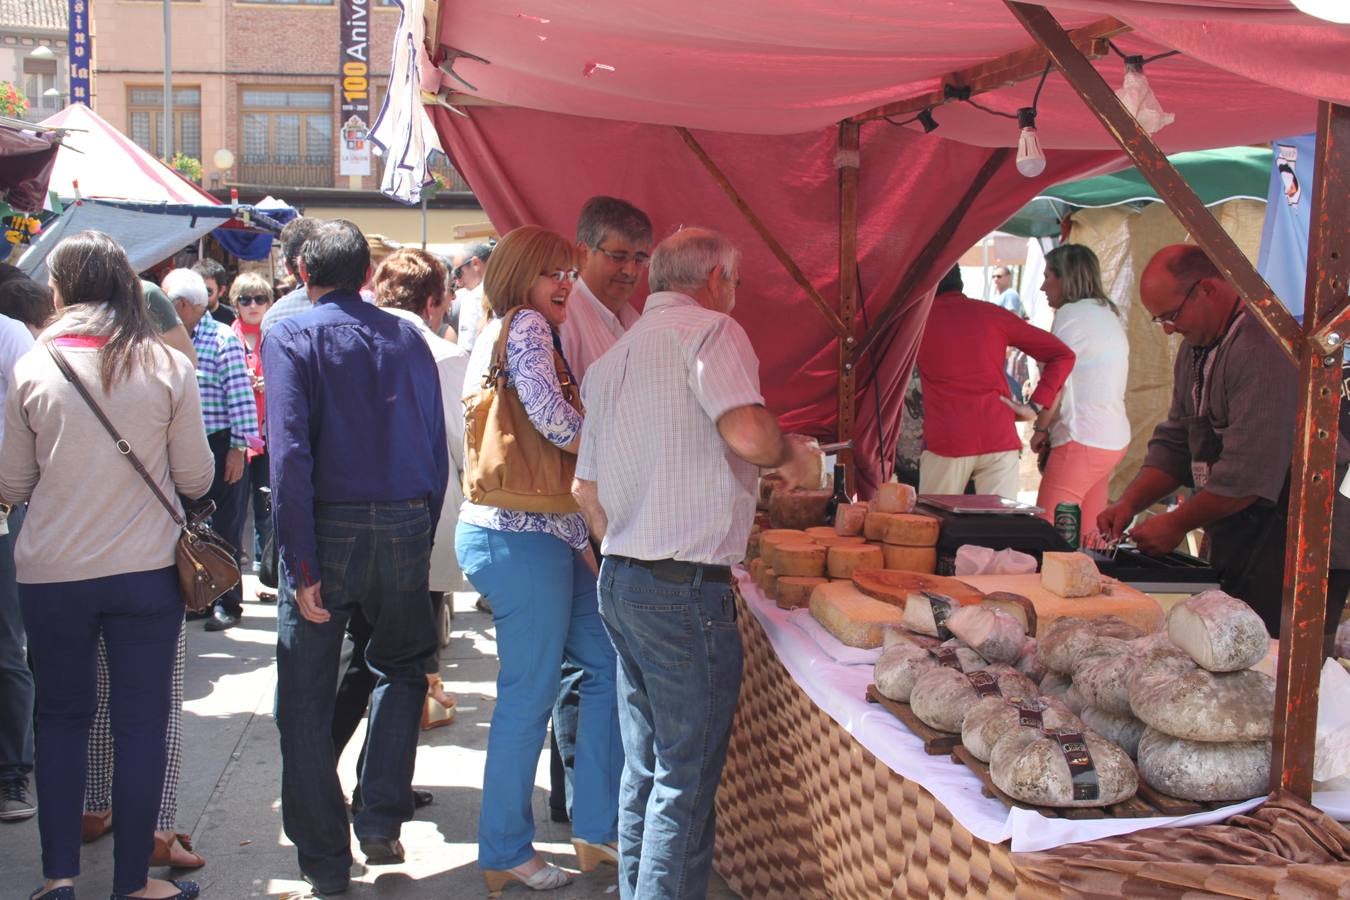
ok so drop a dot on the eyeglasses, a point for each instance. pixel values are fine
(622, 259)
(561, 275)
(1171, 317)
(253, 300)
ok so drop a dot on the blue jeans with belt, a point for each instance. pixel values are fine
(375, 557)
(679, 678)
(544, 609)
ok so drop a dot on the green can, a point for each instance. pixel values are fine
(1069, 523)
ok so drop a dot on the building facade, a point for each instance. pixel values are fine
(33, 53)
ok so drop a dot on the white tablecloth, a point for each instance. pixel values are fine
(839, 690)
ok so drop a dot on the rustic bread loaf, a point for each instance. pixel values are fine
(943, 696)
(1221, 633)
(1204, 706)
(1030, 766)
(1204, 770)
(989, 631)
(993, 717)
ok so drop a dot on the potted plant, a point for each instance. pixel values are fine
(188, 166)
(12, 101)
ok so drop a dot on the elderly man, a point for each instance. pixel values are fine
(675, 434)
(230, 415)
(356, 432)
(293, 237)
(1228, 435)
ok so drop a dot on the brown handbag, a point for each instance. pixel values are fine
(207, 565)
(507, 462)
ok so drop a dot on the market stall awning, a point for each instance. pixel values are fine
(27, 157)
(1216, 176)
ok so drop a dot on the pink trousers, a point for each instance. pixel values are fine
(1076, 473)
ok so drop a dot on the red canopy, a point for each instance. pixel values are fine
(592, 90)
(28, 161)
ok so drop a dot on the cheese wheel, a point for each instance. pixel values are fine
(795, 591)
(752, 547)
(990, 632)
(1015, 605)
(1070, 574)
(1104, 682)
(770, 540)
(767, 485)
(800, 559)
(943, 696)
(770, 586)
(1123, 730)
(874, 525)
(798, 509)
(898, 667)
(1199, 770)
(842, 561)
(816, 532)
(1028, 765)
(911, 530)
(1221, 633)
(894, 498)
(1199, 705)
(756, 569)
(993, 717)
(850, 615)
(909, 559)
(849, 518)
(840, 540)
(1069, 639)
(926, 612)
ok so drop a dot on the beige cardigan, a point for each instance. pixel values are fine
(90, 514)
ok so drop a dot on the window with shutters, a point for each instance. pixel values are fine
(145, 119)
(287, 136)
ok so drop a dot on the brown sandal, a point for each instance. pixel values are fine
(95, 825)
(163, 855)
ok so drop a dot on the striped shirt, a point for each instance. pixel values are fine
(669, 485)
(222, 378)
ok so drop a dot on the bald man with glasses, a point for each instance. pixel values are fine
(1229, 436)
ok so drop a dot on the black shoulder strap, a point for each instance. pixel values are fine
(119, 442)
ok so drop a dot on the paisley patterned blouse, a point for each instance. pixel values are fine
(529, 369)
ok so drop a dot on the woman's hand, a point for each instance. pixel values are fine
(1040, 440)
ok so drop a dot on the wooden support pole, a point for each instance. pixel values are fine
(921, 270)
(1160, 173)
(849, 165)
(1312, 488)
(841, 330)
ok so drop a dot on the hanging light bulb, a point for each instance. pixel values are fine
(1138, 98)
(1030, 158)
(1331, 10)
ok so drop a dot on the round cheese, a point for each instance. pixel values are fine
(848, 518)
(771, 539)
(909, 559)
(894, 498)
(911, 530)
(1221, 633)
(1205, 771)
(1199, 705)
(797, 508)
(802, 559)
(844, 559)
(794, 591)
(1030, 766)
(816, 532)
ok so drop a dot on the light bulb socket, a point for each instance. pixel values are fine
(1026, 117)
(1134, 62)
(956, 92)
(926, 119)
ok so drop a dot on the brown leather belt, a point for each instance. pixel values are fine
(676, 571)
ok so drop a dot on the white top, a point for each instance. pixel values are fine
(591, 328)
(470, 317)
(451, 363)
(1092, 404)
(15, 341)
(669, 485)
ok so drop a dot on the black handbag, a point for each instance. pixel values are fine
(207, 565)
(269, 565)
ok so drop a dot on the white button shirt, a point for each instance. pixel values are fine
(591, 328)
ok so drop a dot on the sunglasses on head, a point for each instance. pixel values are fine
(253, 300)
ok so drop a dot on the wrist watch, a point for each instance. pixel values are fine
(1036, 407)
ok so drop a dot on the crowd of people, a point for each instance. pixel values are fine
(338, 413)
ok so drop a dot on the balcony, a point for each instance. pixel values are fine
(286, 175)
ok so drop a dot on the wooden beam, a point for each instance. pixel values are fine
(1005, 71)
(840, 329)
(850, 164)
(1160, 173)
(1312, 487)
(921, 271)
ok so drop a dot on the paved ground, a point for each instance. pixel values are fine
(230, 789)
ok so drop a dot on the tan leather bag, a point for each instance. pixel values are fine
(507, 462)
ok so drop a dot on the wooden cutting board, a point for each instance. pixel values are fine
(1135, 607)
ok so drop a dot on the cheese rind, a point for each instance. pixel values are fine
(1123, 730)
(1029, 766)
(1221, 633)
(1205, 771)
(1070, 574)
(909, 559)
(993, 717)
(800, 559)
(849, 518)
(797, 508)
(942, 697)
(843, 560)
(911, 530)
(927, 612)
(894, 498)
(770, 540)
(874, 524)
(1015, 605)
(794, 591)
(1199, 705)
(990, 632)
(850, 615)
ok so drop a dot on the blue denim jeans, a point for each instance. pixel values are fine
(139, 616)
(679, 678)
(373, 557)
(231, 512)
(16, 681)
(544, 609)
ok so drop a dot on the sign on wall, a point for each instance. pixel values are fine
(81, 52)
(354, 71)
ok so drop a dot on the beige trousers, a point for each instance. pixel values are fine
(994, 473)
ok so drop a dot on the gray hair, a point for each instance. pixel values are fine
(185, 284)
(602, 215)
(683, 261)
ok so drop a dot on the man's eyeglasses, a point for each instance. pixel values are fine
(622, 259)
(561, 275)
(253, 300)
(1171, 317)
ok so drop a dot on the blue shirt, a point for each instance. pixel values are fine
(354, 415)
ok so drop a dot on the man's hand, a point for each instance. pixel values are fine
(311, 604)
(1023, 412)
(802, 464)
(234, 465)
(1040, 440)
(1113, 520)
(1159, 535)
